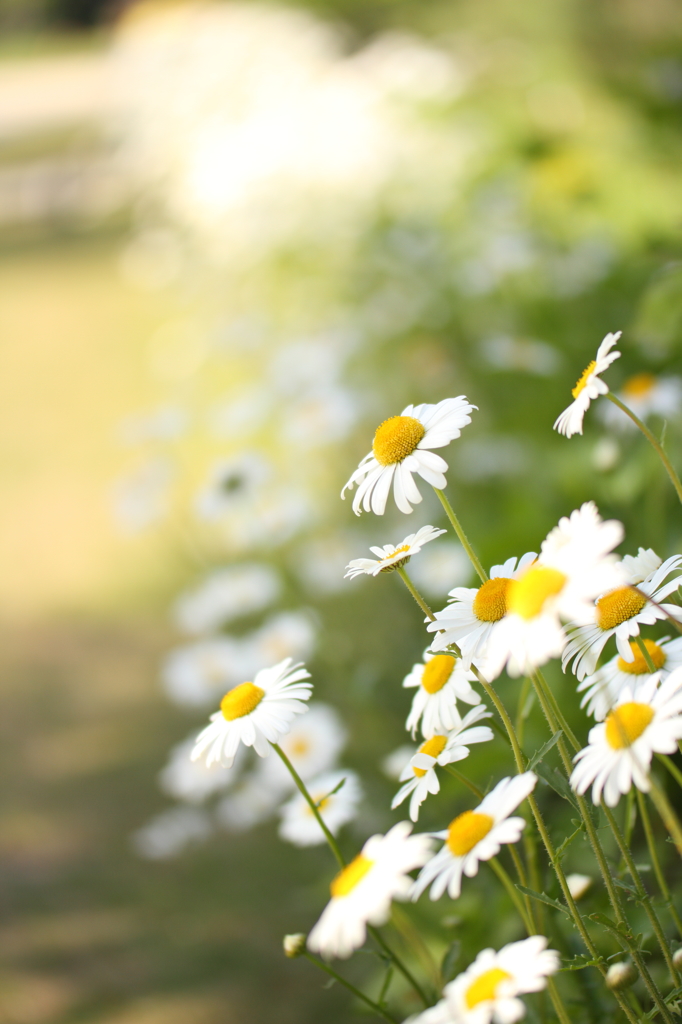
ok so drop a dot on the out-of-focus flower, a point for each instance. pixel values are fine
(621, 975)
(270, 519)
(647, 395)
(193, 675)
(320, 561)
(299, 825)
(589, 387)
(171, 832)
(226, 594)
(232, 482)
(283, 635)
(248, 805)
(392, 765)
(520, 354)
(604, 687)
(192, 781)
(391, 557)
(242, 415)
(578, 885)
(143, 498)
(312, 744)
(320, 417)
(294, 945)
(441, 680)
(439, 568)
(165, 424)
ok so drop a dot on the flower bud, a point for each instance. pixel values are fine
(621, 975)
(294, 945)
(578, 885)
(677, 959)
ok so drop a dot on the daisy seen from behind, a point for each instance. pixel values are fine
(391, 557)
(646, 720)
(337, 795)
(441, 680)
(589, 386)
(603, 688)
(255, 713)
(402, 447)
(362, 892)
(475, 836)
(419, 774)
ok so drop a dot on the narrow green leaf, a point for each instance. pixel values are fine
(543, 898)
(558, 783)
(545, 749)
(450, 960)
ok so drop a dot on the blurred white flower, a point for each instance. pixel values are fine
(286, 634)
(232, 482)
(271, 519)
(503, 352)
(171, 832)
(646, 394)
(393, 764)
(242, 414)
(320, 417)
(194, 675)
(299, 825)
(319, 562)
(226, 594)
(249, 805)
(312, 744)
(189, 780)
(143, 498)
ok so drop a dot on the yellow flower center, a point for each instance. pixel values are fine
(401, 561)
(467, 830)
(241, 701)
(583, 380)
(433, 748)
(618, 606)
(351, 875)
(437, 672)
(527, 595)
(639, 667)
(298, 747)
(639, 385)
(396, 438)
(627, 723)
(403, 547)
(490, 603)
(485, 987)
(321, 801)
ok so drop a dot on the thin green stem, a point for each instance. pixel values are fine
(671, 766)
(670, 618)
(653, 441)
(451, 770)
(463, 539)
(668, 816)
(655, 862)
(415, 593)
(513, 893)
(407, 974)
(521, 707)
(351, 988)
(300, 785)
(645, 654)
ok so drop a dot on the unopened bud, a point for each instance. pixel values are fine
(294, 945)
(620, 975)
(677, 958)
(578, 885)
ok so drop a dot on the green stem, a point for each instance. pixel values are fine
(668, 816)
(645, 654)
(462, 778)
(407, 974)
(520, 708)
(656, 864)
(671, 766)
(647, 597)
(513, 893)
(351, 988)
(300, 785)
(463, 539)
(655, 444)
(415, 593)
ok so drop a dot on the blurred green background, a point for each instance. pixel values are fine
(538, 207)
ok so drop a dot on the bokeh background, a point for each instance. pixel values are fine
(234, 238)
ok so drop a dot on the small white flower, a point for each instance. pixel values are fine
(312, 744)
(645, 720)
(645, 394)
(441, 680)
(283, 635)
(195, 674)
(231, 482)
(641, 565)
(227, 594)
(300, 826)
(362, 892)
(392, 556)
(402, 446)
(256, 713)
(171, 832)
(619, 613)
(190, 780)
(475, 836)
(419, 774)
(392, 765)
(578, 885)
(588, 387)
(486, 993)
(604, 687)
(247, 806)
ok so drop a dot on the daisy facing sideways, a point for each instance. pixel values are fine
(403, 446)
(392, 557)
(337, 795)
(419, 774)
(256, 713)
(475, 836)
(362, 892)
(441, 680)
(589, 386)
(604, 687)
(646, 720)
(486, 993)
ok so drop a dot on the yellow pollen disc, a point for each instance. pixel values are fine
(626, 724)
(639, 667)
(241, 701)
(351, 875)
(527, 595)
(404, 547)
(433, 748)
(583, 380)
(467, 830)
(490, 603)
(618, 606)
(639, 385)
(396, 438)
(485, 987)
(437, 672)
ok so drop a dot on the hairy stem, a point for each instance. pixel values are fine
(655, 861)
(655, 444)
(463, 539)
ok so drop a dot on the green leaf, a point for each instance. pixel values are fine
(612, 927)
(539, 754)
(627, 886)
(331, 792)
(579, 963)
(543, 898)
(558, 783)
(450, 960)
(569, 839)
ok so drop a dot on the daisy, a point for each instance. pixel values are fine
(312, 744)
(390, 557)
(474, 836)
(588, 387)
(336, 806)
(574, 566)
(619, 613)
(486, 993)
(231, 482)
(474, 612)
(419, 774)
(441, 680)
(604, 687)
(256, 713)
(402, 446)
(192, 781)
(362, 892)
(195, 674)
(227, 594)
(645, 720)
(645, 394)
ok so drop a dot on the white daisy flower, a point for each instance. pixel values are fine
(192, 781)
(486, 993)
(256, 713)
(574, 566)
(438, 568)
(474, 612)
(392, 557)
(231, 482)
(169, 833)
(392, 765)
(645, 720)
(419, 774)
(441, 680)
(588, 387)
(247, 806)
(300, 826)
(474, 836)
(227, 594)
(402, 446)
(578, 885)
(645, 394)
(195, 674)
(619, 613)
(604, 687)
(362, 892)
(641, 565)
(312, 744)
